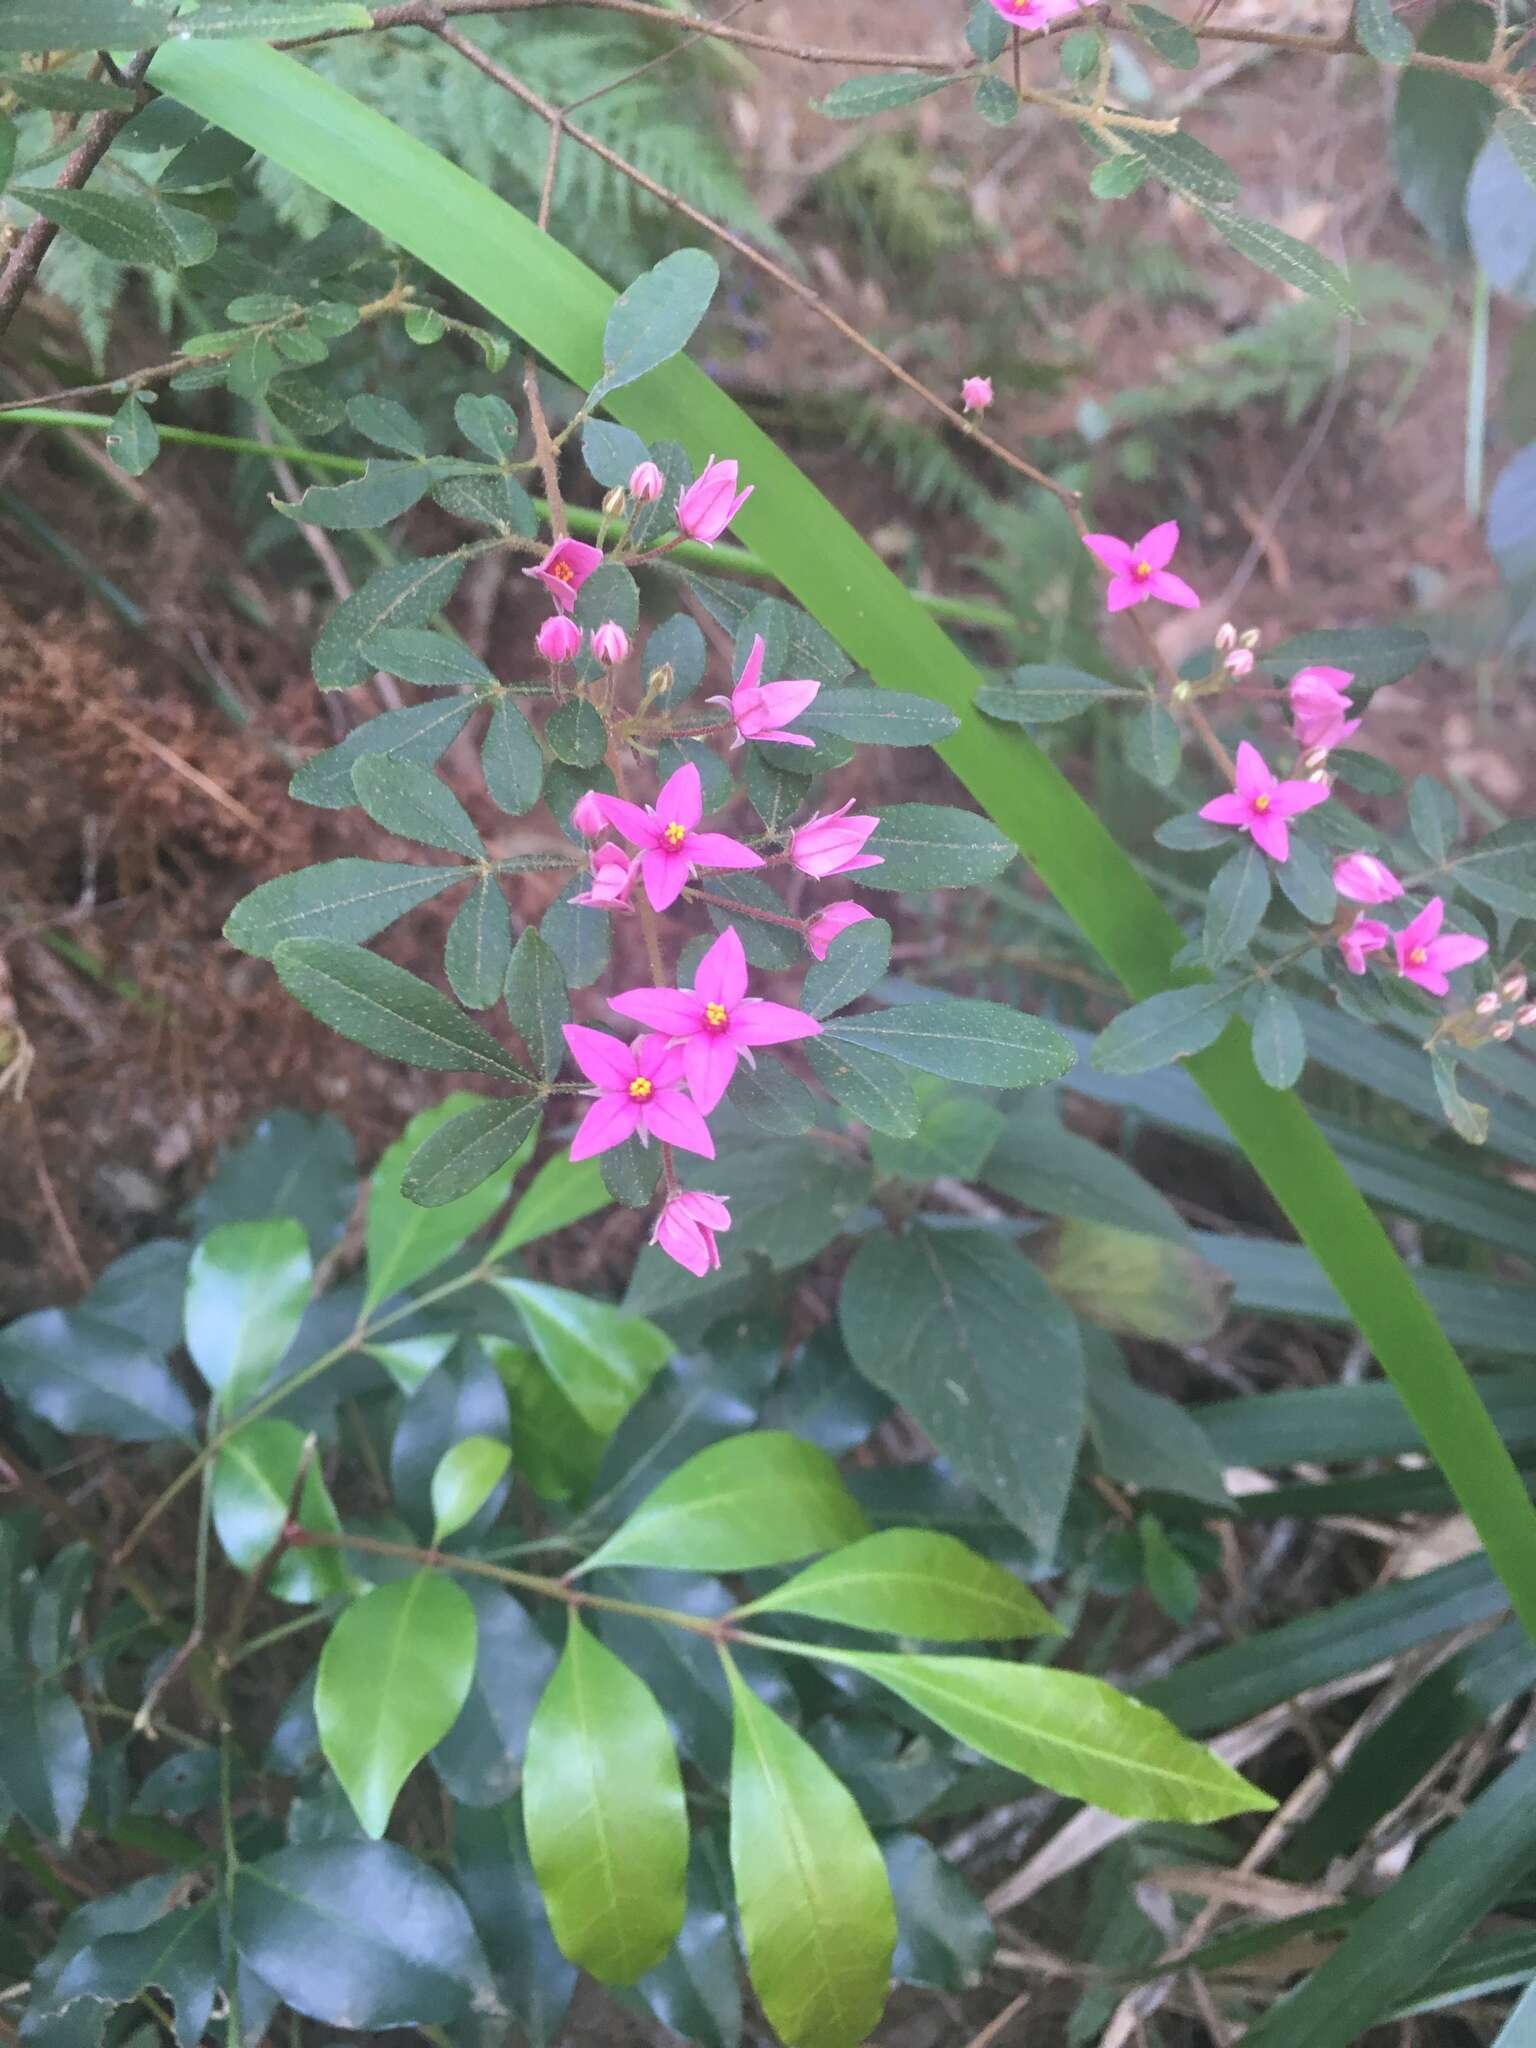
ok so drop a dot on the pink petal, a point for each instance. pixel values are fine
(1421, 929)
(1123, 592)
(1426, 978)
(1173, 590)
(752, 668)
(606, 1124)
(1270, 834)
(1116, 555)
(671, 1117)
(761, 1023)
(721, 976)
(1287, 799)
(709, 1060)
(1231, 809)
(784, 739)
(638, 826)
(680, 800)
(665, 874)
(673, 1011)
(1253, 776)
(717, 850)
(601, 1057)
(1455, 950)
(708, 1210)
(659, 1059)
(787, 700)
(1157, 545)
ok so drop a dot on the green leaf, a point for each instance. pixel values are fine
(7, 149)
(379, 1005)
(511, 759)
(912, 1582)
(1117, 177)
(403, 594)
(610, 592)
(1434, 817)
(179, 1954)
(1373, 655)
(407, 1240)
(961, 1039)
(1381, 33)
(753, 1500)
(288, 1165)
(467, 1475)
(954, 1135)
(559, 1194)
(45, 1759)
(576, 734)
(256, 20)
(1235, 905)
(383, 492)
(84, 24)
(129, 230)
(1279, 1041)
(538, 1002)
(1187, 166)
(339, 900)
(877, 92)
(254, 1475)
(358, 1935)
(1440, 123)
(418, 655)
(961, 1329)
(872, 1087)
(247, 1289)
(580, 937)
(677, 644)
(1040, 695)
(1146, 1440)
(1172, 41)
(986, 32)
(772, 1099)
(1165, 1027)
(655, 319)
(1059, 1173)
(464, 1396)
(1143, 1286)
(601, 1359)
(420, 733)
(414, 804)
(931, 846)
(1079, 55)
(1153, 744)
(611, 452)
(1071, 1732)
(463, 1154)
(1517, 131)
(856, 959)
(132, 440)
(480, 1759)
(88, 1378)
(1306, 879)
(492, 1870)
(879, 718)
(394, 1673)
(1501, 869)
(816, 1914)
(603, 1806)
(478, 949)
(945, 1938)
(996, 101)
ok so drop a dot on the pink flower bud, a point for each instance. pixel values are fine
(1513, 988)
(831, 845)
(1239, 662)
(709, 505)
(587, 815)
(559, 639)
(976, 394)
(1320, 706)
(613, 876)
(1503, 1032)
(825, 926)
(1527, 1017)
(610, 643)
(646, 483)
(1226, 637)
(1362, 878)
(686, 1228)
(1486, 1005)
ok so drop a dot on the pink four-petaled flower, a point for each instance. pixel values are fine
(564, 570)
(671, 845)
(1426, 956)
(1261, 803)
(1141, 571)
(715, 1022)
(639, 1091)
(686, 1227)
(1365, 935)
(762, 710)
(1320, 707)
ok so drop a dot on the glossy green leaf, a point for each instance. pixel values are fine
(961, 1329)
(604, 1809)
(758, 1499)
(655, 318)
(931, 846)
(1040, 695)
(961, 1039)
(478, 949)
(254, 1475)
(601, 1359)
(247, 1289)
(346, 899)
(559, 1194)
(480, 1759)
(772, 1099)
(856, 959)
(1047, 1168)
(877, 92)
(493, 1872)
(815, 1905)
(358, 1935)
(391, 1012)
(912, 1582)
(287, 1165)
(1172, 41)
(1146, 1440)
(239, 20)
(89, 1378)
(463, 1397)
(45, 1758)
(537, 1002)
(1440, 123)
(405, 1239)
(466, 1477)
(463, 1154)
(1381, 33)
(945, 1938)
(395, 1670)
(128, 229)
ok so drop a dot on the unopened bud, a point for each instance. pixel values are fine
(1526, 1017)
(1239, 662)
(1486, 1005)
(1513, 988)
(610, 643)
(1179, 693)
(1503, 1031)
(614, 503)
(1250, 638)
(660, 680)
(1226, 636)
(1314, 758)
(1320, 775)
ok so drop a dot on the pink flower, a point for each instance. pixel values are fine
(830, 845)
(610, 643)
(559, 638)
(587, 815)
(824, 927)
(1365, 935)
(1362, 878)
(613, 875)
(646, 483)
(1261, 804)
(1239, 662)
(715, 1022)
(639, 1091)
(686, 1228)
(564, 570)
(1139, 572)
(761, 710)
(1426, 958)
(1320, 709)
(708, 506)
(976, 394)
(670, 846)
(1034, 14)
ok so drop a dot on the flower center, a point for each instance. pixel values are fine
(716, 1016)
(1418, 956)
(1142, 571)
(674, 835)
(1261, 803)
(641, 1090)
(563, 573)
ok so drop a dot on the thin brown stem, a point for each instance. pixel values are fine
(790, 924)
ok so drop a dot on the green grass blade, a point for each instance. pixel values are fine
(416, 198)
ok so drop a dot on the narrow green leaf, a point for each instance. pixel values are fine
(465, 1153)
(877, 92)
(1279, 1041)
(254, 1476)
(655, 318)
(45, 1759)
(1235, 905)
(467, 1474)
(407, 1239)
(603, 1806)
(912, 1582)
(1165, 1027)
(961, 1039)
(538, 1002)
(879, 718)
(1517, 131)
(345, 899)
(871, 1086)
(390, 1011)
(395, 1671)
(256, 20)
(129, 230)
(816, 1913)
(419, 733)
(1440, 123)
(478, 949)
(84, 24)
(511, 759)
(415, 804)
(931, 846)
(403, 594)
(1040, 695)
(247, 1289)
(856, 959)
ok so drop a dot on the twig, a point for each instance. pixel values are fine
(51, 1202)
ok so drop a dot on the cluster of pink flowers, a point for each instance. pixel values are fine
(666, 1082)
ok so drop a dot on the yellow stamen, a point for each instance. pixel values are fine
(1418, 956)
(1261, 803)
(563, 573)
(674, 835)
(716, 1016)
(641, 1090)
(1142, 571)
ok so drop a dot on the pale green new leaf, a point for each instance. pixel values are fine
(912, 1582)
(601, 1359)
(407, 1239)
(248, 1285)
(467, 1474)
